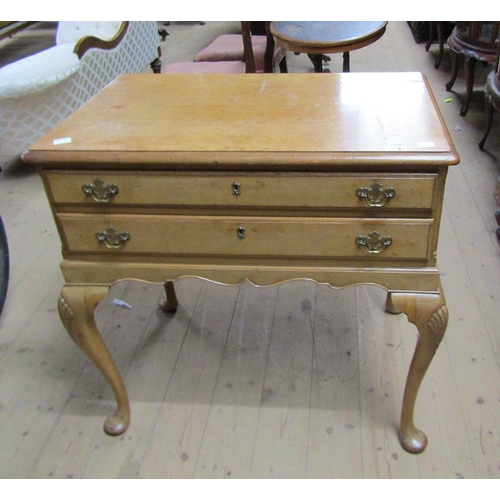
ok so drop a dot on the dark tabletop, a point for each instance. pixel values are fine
(326, 32)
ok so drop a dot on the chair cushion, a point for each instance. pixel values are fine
(224, 67)
(36, 72)
(230, 48)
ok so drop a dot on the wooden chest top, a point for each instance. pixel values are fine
(252, 118)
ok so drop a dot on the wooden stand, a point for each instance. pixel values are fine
(325, 183)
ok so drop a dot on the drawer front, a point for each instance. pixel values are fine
(250, 236)
(319, 191)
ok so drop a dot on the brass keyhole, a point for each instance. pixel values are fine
(236, 188)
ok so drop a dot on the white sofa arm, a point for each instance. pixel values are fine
(48, 68)
(39, 71)
(35, 110)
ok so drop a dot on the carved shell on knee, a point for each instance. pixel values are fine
(438, 322)
(65, 311)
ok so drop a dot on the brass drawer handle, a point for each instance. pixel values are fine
(375, 195)
(374, 243)
(236, 188)
(100, 193)
(112, 238)
(241, 232)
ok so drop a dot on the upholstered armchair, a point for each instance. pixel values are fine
(39, 91)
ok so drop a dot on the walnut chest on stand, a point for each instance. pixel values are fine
(265, 178)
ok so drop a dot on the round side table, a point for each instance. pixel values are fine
(317, 38)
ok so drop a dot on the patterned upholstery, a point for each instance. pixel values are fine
(26, 118)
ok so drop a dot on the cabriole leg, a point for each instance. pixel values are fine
(170, 303)
(489, 120)
(470, 65)
(454, 70)
(76, 308)
(156, 66)
(428, 312)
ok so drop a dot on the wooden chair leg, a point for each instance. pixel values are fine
(439, 26)
(156, 65)
(440, 33)
(283, 66)
(454, 70)
(489, 120)
(431, 36)
(470, 66)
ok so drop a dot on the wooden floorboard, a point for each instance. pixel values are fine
(227, 448)
(294, 381)
(335, 413)
(280, 442)
(180, 426)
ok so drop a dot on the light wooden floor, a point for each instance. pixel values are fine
(295, 381)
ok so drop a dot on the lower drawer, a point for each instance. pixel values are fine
(250, 236)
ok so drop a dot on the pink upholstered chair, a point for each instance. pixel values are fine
(229, 47)
(245, 53)
(206, 67)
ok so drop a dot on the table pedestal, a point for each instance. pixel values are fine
(318, 61)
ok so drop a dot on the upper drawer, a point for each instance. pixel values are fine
(243, 190)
